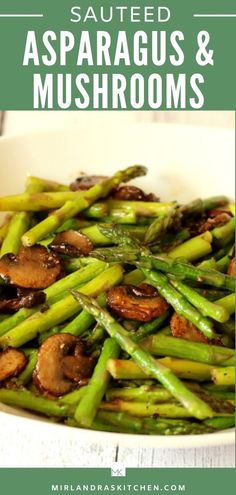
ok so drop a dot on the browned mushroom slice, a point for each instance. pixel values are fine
(231, 268)
(132, 193)
(184, 329)
(60, 365)
(85, 182)
(33, 268)
(77, 368)
(215, 221)
(215, 218)
(71, 243)
(29, 300)
(12, 362)
(141, 303)
(128, 193)
(214, 212)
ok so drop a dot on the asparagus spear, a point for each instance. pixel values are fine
(193, 248)
(99, 211)
(84, 320)
(37, 201)
(165, 330)
(49, 333)
(116, 208)
(184, 270)
(159, 227)
(74, 280)
(95, 390)
(20, 222)
(161, 426)
(26, 375)
(44, 184)
(73, 264)
(72, 207)
(150, 327)
(3, 232)
(135, 277)
(17, 227)
(162, 345)
(53, 292)
(141, 409)
(198, 206)
(135, 254)
(223, 235)
(3, 317)
(145, 393)
(97, 238)
(122, 369)
(221, 423)
(179, 302)
(208, 264)
(96, 336)
(223, 263)
(192, 403)
(27, 400)
(4, 227)
(170, 241)
(93, 232)
(59, 311)
(228, 303)
(210, 294)
(190, 250)
(207, 308)
(224, 376)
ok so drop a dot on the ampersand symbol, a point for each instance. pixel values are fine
(203, 56)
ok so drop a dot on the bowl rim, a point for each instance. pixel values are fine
(224, 437)
(22, 419)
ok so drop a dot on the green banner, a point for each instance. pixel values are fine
(106, 55)
(133, 481)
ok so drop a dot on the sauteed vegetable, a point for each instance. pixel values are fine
(116, 309)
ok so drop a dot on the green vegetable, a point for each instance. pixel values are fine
(193, 404)
(95, 390)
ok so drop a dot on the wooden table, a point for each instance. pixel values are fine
(92, 455)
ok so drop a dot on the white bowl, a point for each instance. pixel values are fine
(183, 162)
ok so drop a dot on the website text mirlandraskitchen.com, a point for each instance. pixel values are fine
(118, 488)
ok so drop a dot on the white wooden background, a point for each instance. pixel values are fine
(12, 453)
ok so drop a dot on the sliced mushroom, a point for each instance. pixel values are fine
(33, 268)
(71, 243)
(120, 192)
(141, 303)
(132, 193)
(12, 362)
(85, 182)
(184, 329)
(77, 369)
(214, 218)
(215, 221)
(26, 299)
(231, 268)
(61, 364)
